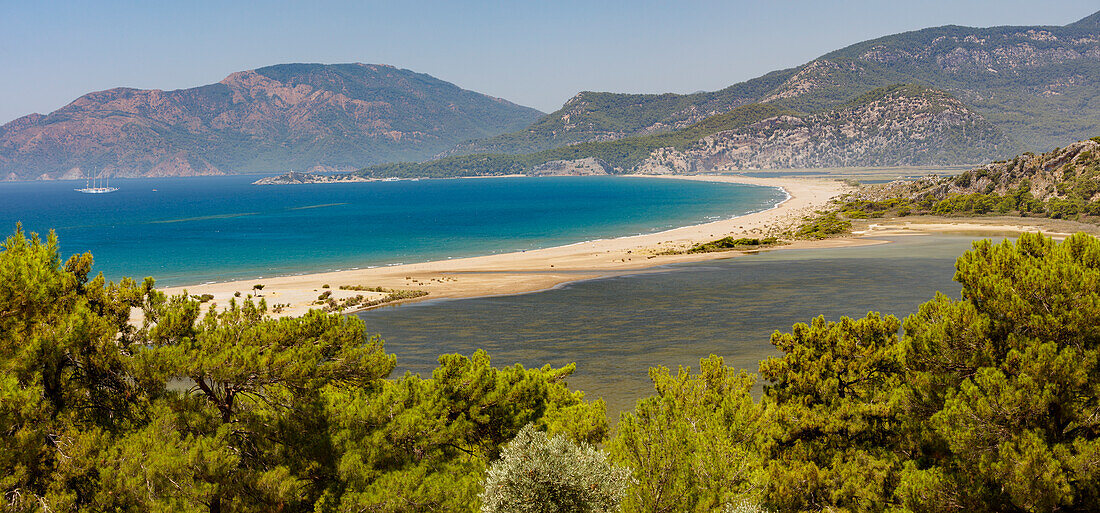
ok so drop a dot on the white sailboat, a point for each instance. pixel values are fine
(93, 187)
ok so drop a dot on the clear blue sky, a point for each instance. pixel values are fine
(537, 53)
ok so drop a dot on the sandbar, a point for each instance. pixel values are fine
(534, 270)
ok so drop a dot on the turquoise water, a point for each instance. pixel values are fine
(616, 328)
(195, 230)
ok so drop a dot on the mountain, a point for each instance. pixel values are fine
(900, 125)
(277, 118)
(1040, 85)
(595, 116)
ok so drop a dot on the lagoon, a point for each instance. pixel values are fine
(616, 328)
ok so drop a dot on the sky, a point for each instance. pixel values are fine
(536, 53)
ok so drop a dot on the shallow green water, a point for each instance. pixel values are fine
(616, 328)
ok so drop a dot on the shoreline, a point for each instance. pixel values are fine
(533, 270)
(712, 219)
(495, 253)
(523, 272)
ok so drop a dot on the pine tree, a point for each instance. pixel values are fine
(1006, 382)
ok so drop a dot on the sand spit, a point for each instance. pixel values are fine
(527, 271)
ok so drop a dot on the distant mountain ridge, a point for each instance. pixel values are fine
(278, 118)
(1040, 85)
(601, 116)
(1004, 90)
(900, 125)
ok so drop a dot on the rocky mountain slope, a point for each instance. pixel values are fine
(1070, 173)
(1062, 184)
(902, 125)
(893, 126)
(1039, 85)
(601, 116)
(285, 117)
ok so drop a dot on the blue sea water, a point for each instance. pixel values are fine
(194, 230)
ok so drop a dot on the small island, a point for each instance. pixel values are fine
(296, 178)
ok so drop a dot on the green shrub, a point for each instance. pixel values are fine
(1063, 209)
(728, 243)
(822, 227)
(537, 473)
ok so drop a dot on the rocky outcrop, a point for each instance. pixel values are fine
(897, 126)
(1070, 172)
(580, 167)
(286, 117)
(1061, 183)
(295, 178)
(1039, 85)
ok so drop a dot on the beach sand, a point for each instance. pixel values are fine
(981, 226)
(528, 271)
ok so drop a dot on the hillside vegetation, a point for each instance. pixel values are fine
(1061, 184)
(1039, 85)
(901, 125)
(601, 116)
(897, 125)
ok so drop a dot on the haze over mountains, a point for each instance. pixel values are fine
(277, 118)
(888, 126)
(1039, 85)
(944, 95)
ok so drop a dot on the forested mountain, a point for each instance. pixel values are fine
(595, 116)
(901, 125)
(1040, 85)
(278, 118)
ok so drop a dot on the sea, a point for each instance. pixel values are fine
(205, 229)
(195, 230)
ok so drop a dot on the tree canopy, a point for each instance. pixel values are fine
(984, 403)
(988, 402)
(232, 410)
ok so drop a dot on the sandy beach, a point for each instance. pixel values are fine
(982, 226)
(528, 271)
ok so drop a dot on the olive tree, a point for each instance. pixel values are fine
(537, 473)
